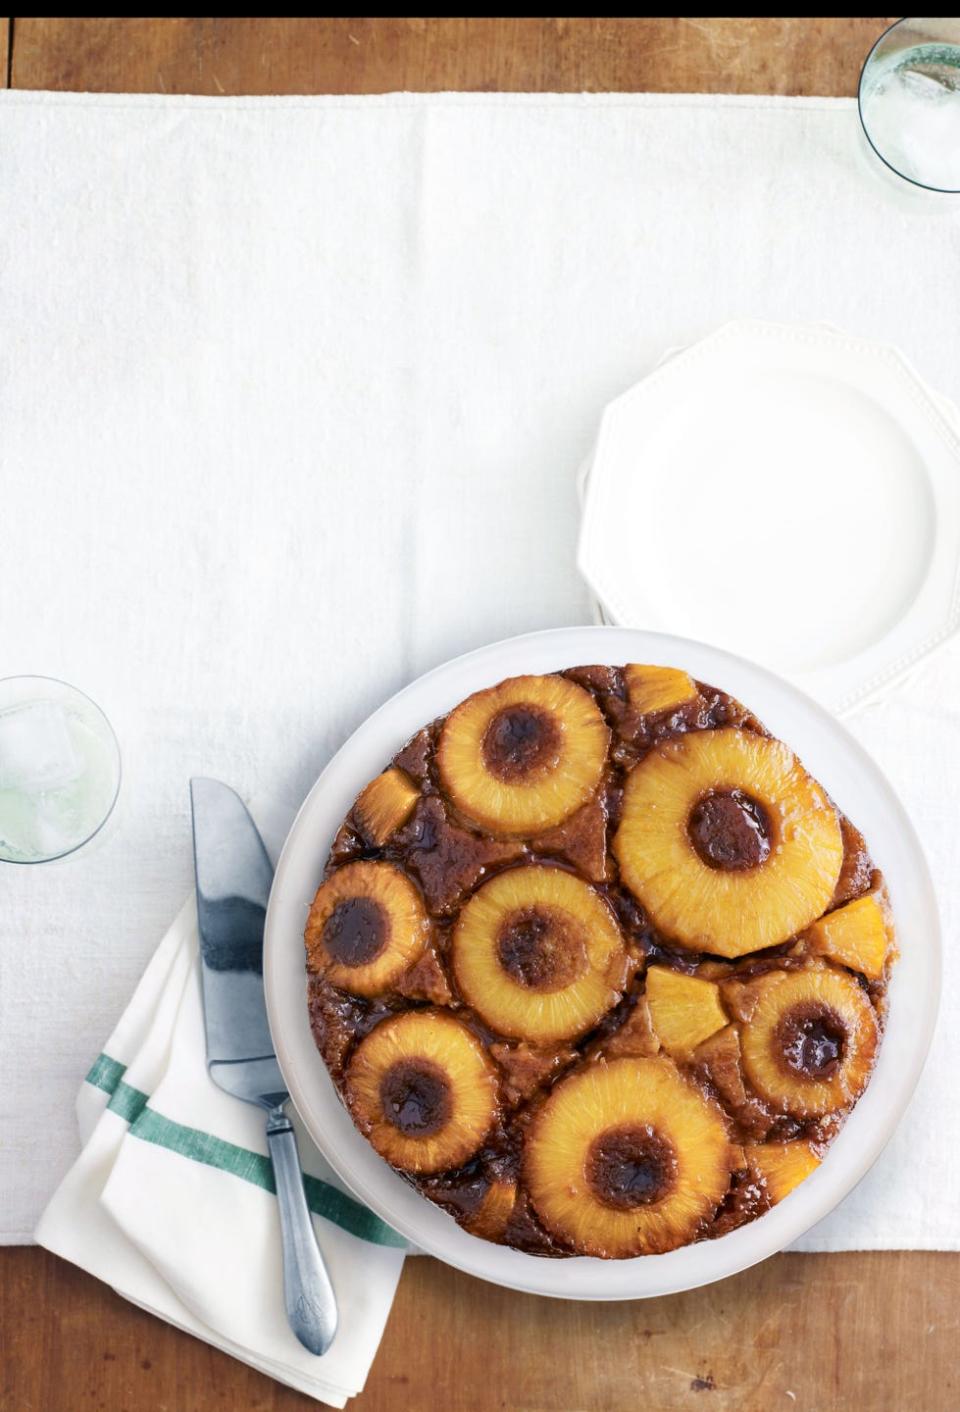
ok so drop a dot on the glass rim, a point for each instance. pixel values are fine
(68, 852)
(912, 181)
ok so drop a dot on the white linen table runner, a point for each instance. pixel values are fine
(292, 397)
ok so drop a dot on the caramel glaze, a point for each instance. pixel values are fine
(448, 858)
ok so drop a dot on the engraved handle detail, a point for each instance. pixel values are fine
(308, 1294)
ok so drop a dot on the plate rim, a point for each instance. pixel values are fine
(580, 1277)
(927, 624)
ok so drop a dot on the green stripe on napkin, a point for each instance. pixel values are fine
(324, 1200)
(106, 1073)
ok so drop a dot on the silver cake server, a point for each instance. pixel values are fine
(233, 883)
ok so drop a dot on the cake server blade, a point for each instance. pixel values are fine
(234, 876)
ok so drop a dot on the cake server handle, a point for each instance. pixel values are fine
(307, 1292)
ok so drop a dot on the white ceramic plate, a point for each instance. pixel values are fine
(787, 492)
(833, 757)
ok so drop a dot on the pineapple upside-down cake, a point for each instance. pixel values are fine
(597, 965)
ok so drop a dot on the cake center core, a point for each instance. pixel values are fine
(356, 931)
(730, 830)
(812, 1039)
(520, 740)
(415, 1097)
(631, 1166)
(542, 948)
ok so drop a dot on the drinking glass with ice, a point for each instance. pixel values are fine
(909, 101)
(59, 769)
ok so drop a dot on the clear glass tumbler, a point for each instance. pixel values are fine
(909, 101)
(59, 769)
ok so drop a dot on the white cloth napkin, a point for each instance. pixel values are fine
(292, 395)
(171, 1199)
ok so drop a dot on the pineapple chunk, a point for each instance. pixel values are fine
(385, 804)
(655, 689)
(720, 1056)
(684, 1009)
(490, 1219)
(781, 1166)
(854, 936)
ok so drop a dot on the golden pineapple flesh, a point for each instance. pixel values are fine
(627, 1158)
(489, 1221)
(654, 690)
(854, 935)
(684, 1010)
(538, 954)
(520, 757)
(779, 1167)
(727, 842)
(385, 804)
(366, 926)
(811, 1042)
(422, 1089)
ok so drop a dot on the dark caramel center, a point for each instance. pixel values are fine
(631, 1166)
(543, 948)
(415, 1097)
(356, 931)
(730, 830)
(520, 741)
(812, 1039)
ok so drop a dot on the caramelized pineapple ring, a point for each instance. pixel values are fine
(627, 1158)
(367, 925)
(811, 1041)
(520, 757)
(727, 841)
(423, 1091)
(538, 954)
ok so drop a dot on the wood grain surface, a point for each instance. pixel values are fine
(379, 55)
(822, 1333)
(805, 1333)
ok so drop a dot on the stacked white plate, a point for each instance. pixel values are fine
(787, 493)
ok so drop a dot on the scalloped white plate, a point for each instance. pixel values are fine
(830, 753)
(785, 491)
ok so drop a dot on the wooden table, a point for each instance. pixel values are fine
(869, 1331)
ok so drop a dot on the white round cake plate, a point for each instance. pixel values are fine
(833, 757)
(787, 492)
